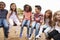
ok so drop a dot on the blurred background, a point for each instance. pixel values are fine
(53, 5)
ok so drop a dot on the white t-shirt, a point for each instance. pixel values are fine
(46, 23)
(13, 15)
(57, 28)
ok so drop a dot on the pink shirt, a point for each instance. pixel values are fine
(27, 15)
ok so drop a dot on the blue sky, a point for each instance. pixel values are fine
(53, 5)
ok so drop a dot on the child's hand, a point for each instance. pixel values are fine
(37, 19)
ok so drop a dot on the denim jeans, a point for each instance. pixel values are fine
(44, 28)
(25, 22)
(36, 25)
(3, 22)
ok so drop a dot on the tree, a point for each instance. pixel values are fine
(20, 11)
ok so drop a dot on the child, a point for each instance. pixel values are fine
(47, 23)
(3, 19)
(12, 17)
(26, 19)
(38, 19)
(55, 33)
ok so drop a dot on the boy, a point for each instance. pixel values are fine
(38, 19)
(3, 19)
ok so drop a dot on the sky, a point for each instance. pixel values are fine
(53, 5)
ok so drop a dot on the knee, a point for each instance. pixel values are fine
(6, 25)
(45, 32)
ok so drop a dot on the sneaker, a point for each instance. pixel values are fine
(38, 36)
(20, 35)
(30, 38)
(36, 39)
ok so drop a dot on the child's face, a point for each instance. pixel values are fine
(58, 16)
(47, 14)
(27, 8)
(13, 7)
(36, 10)
(2, 6)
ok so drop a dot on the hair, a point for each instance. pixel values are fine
(30, 8)
(54, 18)
(38, 7)
(3, 3)
(12, 9)
(50, 17)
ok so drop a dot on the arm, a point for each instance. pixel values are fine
(8, 15)
(42, 19)
(18, 18)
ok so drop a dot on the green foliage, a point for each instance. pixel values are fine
(20, 11)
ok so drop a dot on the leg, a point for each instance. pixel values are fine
(52, 34)
(17, 22)
(37, 29)
(33, 25)
(31, 31)
(40, 31)
(28, 24)
(47, 30)
(23, 23)
(6, 28)
(11, 23)
(57, 37)
(0, 22)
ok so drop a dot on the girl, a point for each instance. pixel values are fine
(55, 33)
(47, 23)
(26, 19)
(12, 16)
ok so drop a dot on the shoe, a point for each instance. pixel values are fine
(38, 36)
(20, 35)
(29, 38)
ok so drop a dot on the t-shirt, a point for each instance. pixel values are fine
(3, 13)
(13, 15)
(27, 15)
(57, 28)
(47, 21)
(38, 17)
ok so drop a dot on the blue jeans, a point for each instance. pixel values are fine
(36, 25)
(3, 22)
(27, 23)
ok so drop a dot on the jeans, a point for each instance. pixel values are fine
(25, 22)
(3, 22)
(45, 29)
(52, 34)
(57, 37)
(36, 25)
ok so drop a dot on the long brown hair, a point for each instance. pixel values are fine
(50, 17)
(12, 9)
(54, 18)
